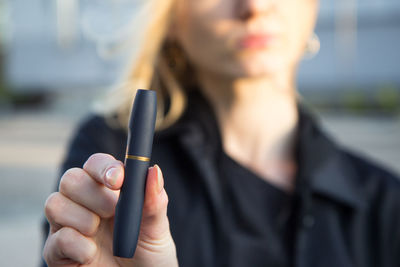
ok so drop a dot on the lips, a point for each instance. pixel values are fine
(257, 41)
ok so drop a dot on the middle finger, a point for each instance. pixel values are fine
(61, 211)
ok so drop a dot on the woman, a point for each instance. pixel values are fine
(250, 177)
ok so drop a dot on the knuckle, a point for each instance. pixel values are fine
(92, 158)
(53, 204)
(107, 213)
(68, 239)
(109, 205)
(71, 179)
(93, 225)
(47, 251)
(148, 205)
(89, 255)
(65, 238)
(85, 258)
(97, 157)
(163, 204)
(104, 210)
(156, 205)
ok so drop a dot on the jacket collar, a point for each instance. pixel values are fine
(323, 165)
(323, 168)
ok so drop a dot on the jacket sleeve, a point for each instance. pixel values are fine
(397, 236)
(92, 136)
(390, 216)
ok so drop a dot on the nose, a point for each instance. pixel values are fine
(251, 8)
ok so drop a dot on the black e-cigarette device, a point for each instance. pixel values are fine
(128, 212)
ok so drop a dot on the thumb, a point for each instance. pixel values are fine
(155, 225)
(155, 245)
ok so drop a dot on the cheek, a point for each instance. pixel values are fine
(300, 24)
(206, 30)
(208, 43)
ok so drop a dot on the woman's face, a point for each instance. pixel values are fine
(244, 38)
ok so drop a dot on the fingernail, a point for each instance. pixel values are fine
(160, 180)
(112, 176)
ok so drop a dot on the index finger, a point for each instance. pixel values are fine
(105, 169)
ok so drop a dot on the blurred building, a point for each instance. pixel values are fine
(359, 46)
(47, 48)
(53, 44)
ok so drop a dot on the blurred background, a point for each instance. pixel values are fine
(57, 56)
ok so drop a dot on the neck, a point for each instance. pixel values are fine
(257, 118)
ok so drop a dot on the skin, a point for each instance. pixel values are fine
(252, 91)
(81, 218)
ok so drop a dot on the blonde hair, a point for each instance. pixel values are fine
(150, 68)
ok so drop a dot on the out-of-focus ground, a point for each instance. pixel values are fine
(32, 144)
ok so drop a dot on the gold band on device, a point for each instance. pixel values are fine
(137, 158)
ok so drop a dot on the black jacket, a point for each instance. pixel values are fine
(347, 212)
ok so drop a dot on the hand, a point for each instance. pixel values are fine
(81, 217)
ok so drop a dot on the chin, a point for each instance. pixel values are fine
(250, 65)
(262, 66)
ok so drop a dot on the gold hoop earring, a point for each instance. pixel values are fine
(313, 46)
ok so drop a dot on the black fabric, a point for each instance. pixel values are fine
(258, 215)
(346, 210)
